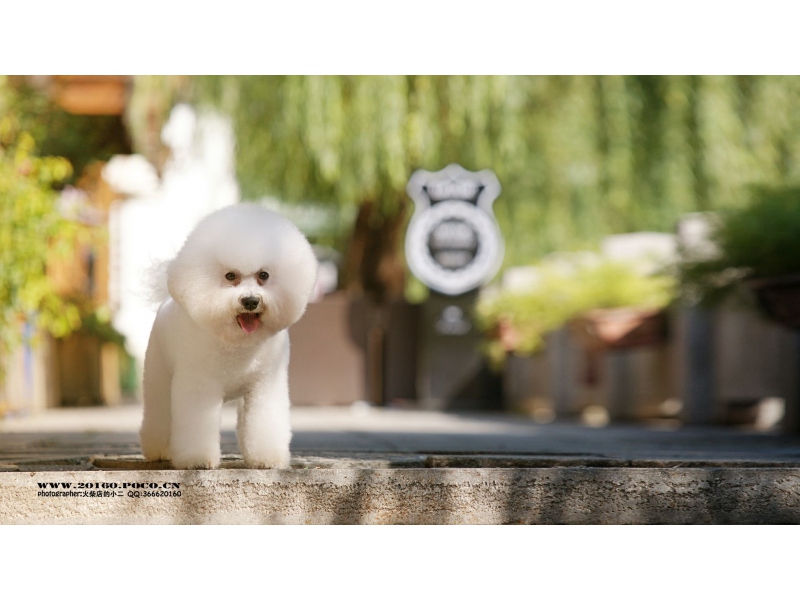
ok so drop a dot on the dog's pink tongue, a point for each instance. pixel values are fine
(248, 322)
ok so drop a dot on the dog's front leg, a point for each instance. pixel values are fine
(155, 430)
(264, 426)
(196, 412)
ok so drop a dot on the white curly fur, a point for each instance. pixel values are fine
(200, 352)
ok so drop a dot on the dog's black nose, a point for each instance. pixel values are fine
(250, 302)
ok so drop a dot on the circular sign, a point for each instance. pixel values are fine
(453, 246)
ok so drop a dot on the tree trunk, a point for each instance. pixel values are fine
(374, 264)
(374, 269)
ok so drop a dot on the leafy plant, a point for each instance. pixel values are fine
(81, 139)
(761, 238)
(31, 228)
(518, 321)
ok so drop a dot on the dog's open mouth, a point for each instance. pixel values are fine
(249, 322)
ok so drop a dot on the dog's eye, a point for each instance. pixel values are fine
(263, 276)
(230, 276)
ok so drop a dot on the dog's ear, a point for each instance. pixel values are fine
(155, 282)
(302, 265)
(177, 278)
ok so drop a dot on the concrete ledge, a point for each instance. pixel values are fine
(556, 495)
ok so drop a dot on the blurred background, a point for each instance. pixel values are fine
(650, 225)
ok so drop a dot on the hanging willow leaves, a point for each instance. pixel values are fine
(674, 158)
(578, 157)
(724, 160)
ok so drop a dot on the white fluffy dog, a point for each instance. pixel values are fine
(242, 277)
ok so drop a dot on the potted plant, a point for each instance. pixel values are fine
(607, 303)
(757, 246)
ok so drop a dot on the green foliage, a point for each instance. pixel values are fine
(98, 324)
(81, 139)
(579, 157)
(30, 228)
(610, 284)
(566, 288)
(764, 236)
(761, 238)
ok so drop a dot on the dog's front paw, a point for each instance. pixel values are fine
(155, 454)
(154, 447)
(277, 461)
(195, 462)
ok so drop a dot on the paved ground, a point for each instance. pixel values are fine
(369, 465)
(44, 440)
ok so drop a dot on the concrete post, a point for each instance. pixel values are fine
(699, 392)
(562, 373)
(621, 396)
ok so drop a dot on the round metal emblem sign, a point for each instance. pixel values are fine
(453, 243)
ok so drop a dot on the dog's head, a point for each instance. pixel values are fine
(244, 273)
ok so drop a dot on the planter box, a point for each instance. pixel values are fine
(610, 329)
(528, 386)
(630, 383)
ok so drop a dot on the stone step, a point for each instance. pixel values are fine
(407, 489)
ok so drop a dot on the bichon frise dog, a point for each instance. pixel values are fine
(242, 277)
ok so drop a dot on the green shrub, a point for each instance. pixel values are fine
(761, 238)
